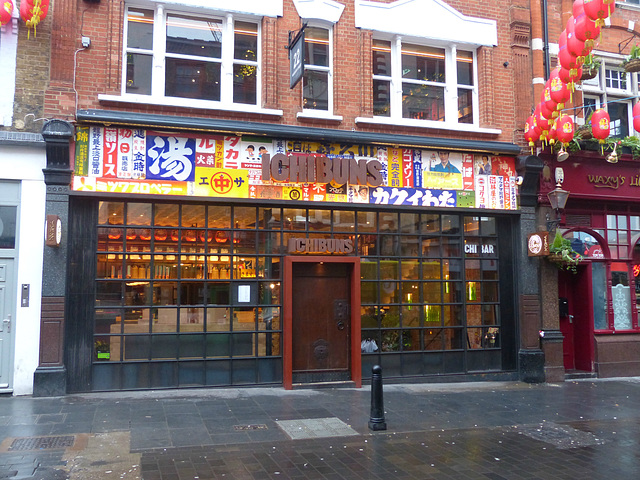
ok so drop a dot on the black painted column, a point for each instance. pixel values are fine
(50, 377)
(530, 355)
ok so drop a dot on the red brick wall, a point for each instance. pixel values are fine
(98, 69)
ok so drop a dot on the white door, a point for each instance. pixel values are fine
(9, 201)
(7, 316)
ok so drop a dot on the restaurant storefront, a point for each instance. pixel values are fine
(194, 261)
(598, 305)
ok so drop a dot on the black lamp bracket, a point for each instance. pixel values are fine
(294, 35)
(623, 44)
(552, 223)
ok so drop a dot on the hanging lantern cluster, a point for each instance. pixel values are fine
(6, 10)
(575, 43)
(33, 12)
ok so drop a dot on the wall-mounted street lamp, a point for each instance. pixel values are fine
(558, 200)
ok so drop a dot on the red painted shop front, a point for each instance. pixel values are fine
(600, 302)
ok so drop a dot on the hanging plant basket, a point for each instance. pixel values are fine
(583, 132)
(557, 260)
(562, 255)
(588, 74)
(632, 65)
(563, 263)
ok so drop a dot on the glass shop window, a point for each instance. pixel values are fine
(620, 296)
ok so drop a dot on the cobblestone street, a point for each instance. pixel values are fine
(587, 429)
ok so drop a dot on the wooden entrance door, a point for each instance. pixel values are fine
(577, 325)
(321, 322)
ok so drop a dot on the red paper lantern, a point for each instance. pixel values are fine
(567, 60)
(553, 133)
(600, 124)
(636, 117)
(33, 12)
(585, 28)
(530, 133)
(611, 6)
(570, 77)
(548, 113)
(541, 122)
(575, 46)
(564, 128)
(597, 10)
(559, 91)
(548, 102)
(6, 10)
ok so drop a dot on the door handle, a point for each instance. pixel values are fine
(570, 318)
(340, 325)
(7, 322)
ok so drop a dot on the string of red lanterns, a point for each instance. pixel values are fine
(547, 123)
(6, 10)
(33, 12)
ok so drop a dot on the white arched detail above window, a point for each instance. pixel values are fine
(326, 10)
(267, 8)
(407, 18)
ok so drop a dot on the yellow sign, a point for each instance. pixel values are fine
(218, 182)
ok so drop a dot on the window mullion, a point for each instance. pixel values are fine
(226, 76)
(474, 96)
(451, 86)
(159, 51)
(330, 79)
(396, 78)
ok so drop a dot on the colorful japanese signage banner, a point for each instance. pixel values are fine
(131, 161)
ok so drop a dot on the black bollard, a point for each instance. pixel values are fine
(376, 419)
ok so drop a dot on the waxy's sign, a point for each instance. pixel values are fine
(587, 178)
(302, 168)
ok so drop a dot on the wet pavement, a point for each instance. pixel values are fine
(495, 430)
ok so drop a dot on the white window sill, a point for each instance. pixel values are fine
(187, 102)
(630, 6)
(405, 122)
(319, 115)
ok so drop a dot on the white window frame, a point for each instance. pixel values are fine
(227, 63)
(596, 88)
(316, 113)
(450, 86)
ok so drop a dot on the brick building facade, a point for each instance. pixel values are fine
(593, 330)
(160, 280)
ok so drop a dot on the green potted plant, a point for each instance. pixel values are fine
(630, 145)
(632, 62)
(590, 67)
(563, 255)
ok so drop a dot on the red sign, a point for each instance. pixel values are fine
(595, 178)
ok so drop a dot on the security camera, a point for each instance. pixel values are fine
(505, 64)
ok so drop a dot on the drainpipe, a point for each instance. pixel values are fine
(545, 48)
